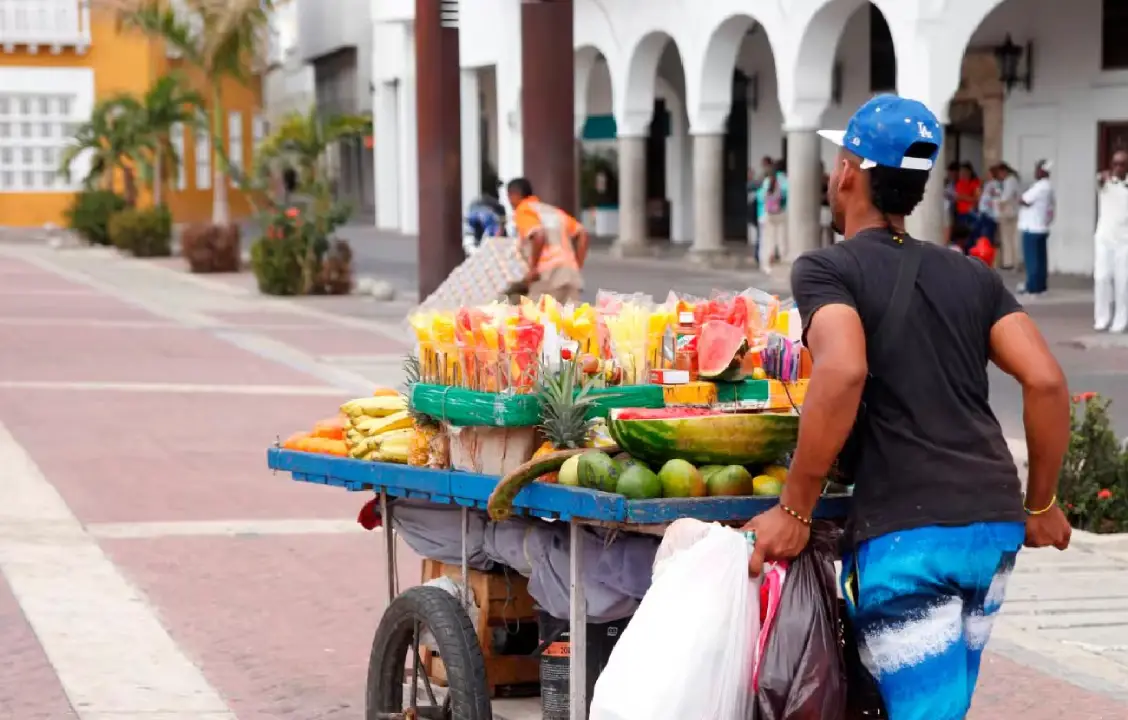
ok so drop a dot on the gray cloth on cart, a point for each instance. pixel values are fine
(616, 570)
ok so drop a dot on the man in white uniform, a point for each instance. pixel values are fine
(1110, 258)
(1034, 221)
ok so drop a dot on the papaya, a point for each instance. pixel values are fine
(331, 428)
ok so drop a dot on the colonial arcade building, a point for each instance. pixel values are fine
(684, 96)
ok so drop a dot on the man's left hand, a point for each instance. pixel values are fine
(778, 537)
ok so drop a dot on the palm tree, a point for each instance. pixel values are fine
(167, 103)
(114, 138)
(223, 39)
(301, 141)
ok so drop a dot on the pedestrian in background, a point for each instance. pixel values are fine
(988, 210)
(772, 198)
(753, 212)
(966, 192)
(1110, 256)
(1010, 252)
(554, 243)
(1034, 221)
(950, 178)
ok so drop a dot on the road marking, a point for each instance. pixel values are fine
(91, 323)
(221, 528)
(289, 356)
(109, 650)
(188, 388)
(50, 293)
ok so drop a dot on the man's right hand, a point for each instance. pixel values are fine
(1048, 529)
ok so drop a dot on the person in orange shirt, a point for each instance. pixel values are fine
(553, 242)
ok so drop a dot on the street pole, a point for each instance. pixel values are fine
(438, 121)
(548, 100)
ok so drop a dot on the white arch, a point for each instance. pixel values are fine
(593, 28)
(711, 101)
(586, 59)
(807, 96)
(634, 102)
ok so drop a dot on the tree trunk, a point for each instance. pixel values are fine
(158, 179)
(130, 184)
(221, 209)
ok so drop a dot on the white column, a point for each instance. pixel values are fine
(927, 221)
(708, 200)
(804, 185)
(471, 136)
(632, 197)
(386, 167)
(929, 71)
(510, 150)
(409, 144)
(679, 175)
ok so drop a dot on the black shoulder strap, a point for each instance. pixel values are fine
(894, 316)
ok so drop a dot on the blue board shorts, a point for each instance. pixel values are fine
(922, 603)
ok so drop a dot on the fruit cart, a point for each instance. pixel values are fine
(444, 616)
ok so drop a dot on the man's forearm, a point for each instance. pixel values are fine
(830, 409)
(580, 242)
(1045, 414)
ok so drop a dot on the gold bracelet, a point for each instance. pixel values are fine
(1043, 511)
(797, 516)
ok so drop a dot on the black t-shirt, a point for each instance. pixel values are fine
(931, 451)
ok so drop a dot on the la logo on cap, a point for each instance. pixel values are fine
(924, 131)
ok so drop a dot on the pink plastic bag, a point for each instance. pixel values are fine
(771, 590)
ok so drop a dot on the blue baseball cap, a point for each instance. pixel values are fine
(883, 129)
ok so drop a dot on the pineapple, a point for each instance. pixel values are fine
(562, 410)
(425, 430)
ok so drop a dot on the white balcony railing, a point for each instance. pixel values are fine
(53, 24)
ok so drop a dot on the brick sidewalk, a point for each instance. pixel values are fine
(145, 401)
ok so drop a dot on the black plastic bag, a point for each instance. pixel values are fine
(802, 674)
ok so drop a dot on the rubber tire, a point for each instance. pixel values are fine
(442, 614)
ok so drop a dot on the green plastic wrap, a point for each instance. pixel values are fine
(459, 406)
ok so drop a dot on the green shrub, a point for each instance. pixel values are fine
(295, 257)
(211, 248)
(90, 212)
(1093, 487)
(144, 232)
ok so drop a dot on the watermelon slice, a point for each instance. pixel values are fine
(721, 348)
(662, 413)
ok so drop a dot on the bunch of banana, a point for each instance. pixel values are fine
(374, 407)
(379, 428)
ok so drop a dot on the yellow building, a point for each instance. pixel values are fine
(57, 58)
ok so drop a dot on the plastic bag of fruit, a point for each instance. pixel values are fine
(687, 652)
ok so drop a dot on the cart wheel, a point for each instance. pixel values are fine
(434, 609)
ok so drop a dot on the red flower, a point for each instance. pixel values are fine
(291, 212)
(1069, 506)
(1084, 397)
(1104, 494)
(565, 354)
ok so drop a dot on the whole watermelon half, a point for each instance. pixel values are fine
(712, 438)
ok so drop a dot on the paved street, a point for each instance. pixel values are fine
(152, 567)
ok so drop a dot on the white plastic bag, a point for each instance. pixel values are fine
(687, 652)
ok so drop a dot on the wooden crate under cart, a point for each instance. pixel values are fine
(503, 601)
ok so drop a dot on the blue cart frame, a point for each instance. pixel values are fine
(577, 506)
